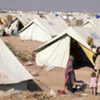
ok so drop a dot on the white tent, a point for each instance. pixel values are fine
(43, 29)
(11, 67)
(15, 24)
(55, 52)
(25, 18)
(51, 15)
(92, 23)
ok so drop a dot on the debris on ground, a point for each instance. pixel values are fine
(12, 91)
(29, 63)
(42, 96)
(52, 93)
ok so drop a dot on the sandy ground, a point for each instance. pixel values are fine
(48, 79)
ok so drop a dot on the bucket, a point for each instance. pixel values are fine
(61, 92)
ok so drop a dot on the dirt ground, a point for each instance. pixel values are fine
(47, 80)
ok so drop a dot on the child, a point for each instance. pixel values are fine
(93, 83)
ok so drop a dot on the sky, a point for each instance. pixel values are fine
(52, 5)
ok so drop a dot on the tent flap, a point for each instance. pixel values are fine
(88, 53)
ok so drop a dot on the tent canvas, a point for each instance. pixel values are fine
(51, 56)
(11, 67)
(42, 29)
(62, 41)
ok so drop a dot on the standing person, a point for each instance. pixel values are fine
(96, 58)
(96, 54)
(69, 75)
(93, 83)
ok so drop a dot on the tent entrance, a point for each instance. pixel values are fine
(80, 56)
(20, 26)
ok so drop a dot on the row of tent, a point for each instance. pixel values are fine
(55, 51)
(47, 27)
(12, 73)
(16, 74)
(42, 29)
